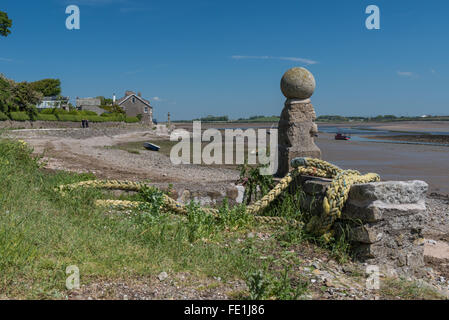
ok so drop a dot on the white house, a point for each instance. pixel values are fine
(54, 102)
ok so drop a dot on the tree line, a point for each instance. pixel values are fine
(24, 96)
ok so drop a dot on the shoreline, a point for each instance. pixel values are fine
(426, 138)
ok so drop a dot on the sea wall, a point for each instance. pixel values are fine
(9, 124)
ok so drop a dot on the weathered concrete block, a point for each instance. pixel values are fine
(366, 234)
(392, 192)
(378, 210)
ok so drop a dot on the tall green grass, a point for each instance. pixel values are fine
(43, 232)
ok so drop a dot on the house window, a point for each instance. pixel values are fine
(145, 110)
(134, 100)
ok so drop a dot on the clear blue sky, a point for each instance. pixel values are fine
(201, 57)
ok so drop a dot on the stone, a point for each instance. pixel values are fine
(296, 132)
(298, 83)
(438, 250)
(366, 234)
(314, 186)
(162, 276)
(297, 128)
(391, 192)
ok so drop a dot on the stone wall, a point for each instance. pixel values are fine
(384, 221)
(63, 124)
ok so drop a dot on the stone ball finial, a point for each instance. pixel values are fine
(298, 83)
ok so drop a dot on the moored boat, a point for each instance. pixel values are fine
(340, 136)
(151, 146)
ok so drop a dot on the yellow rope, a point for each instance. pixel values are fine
(333, 203)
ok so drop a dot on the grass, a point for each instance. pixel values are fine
(43, 232)
(407, 290)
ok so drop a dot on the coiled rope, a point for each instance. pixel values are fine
(333, 203)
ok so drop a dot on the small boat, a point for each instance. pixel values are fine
(151, 146)
(340, 136)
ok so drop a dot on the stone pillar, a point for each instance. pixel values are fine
(297, 129)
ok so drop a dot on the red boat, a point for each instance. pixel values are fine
(340, 136)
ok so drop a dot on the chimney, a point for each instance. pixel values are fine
(128, 93)
(139, 94)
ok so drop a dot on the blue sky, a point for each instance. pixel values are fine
(201, 57)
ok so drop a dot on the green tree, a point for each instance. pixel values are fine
(5, 24)
(24, 98)
(105, 101)
(47, 87)
(5, 94)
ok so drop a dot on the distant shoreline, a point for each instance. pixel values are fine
(428, 138)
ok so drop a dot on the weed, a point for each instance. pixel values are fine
(257, 285)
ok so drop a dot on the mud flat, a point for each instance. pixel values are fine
(401, 126)
(391, 161)
(426, 138)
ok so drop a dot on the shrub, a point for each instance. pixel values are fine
(46, 117)
(3, 116)
(48, 111)
(19, 116)
(88, 113)
(131, 119)
(116, 117)
(69, 117)
(60, 111)
(95, 118)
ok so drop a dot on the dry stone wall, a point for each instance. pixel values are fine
(384, 221)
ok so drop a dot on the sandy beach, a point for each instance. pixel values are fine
(66, 150)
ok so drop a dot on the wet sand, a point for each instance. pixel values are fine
(391, 161)
(427, 138)
(404, 126)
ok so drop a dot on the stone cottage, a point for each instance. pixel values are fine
(90, 104)
(133, 105)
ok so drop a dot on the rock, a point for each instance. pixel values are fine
(298, 83)
(328, 282)
(391, 192)
(439, 250)
(315, 265)
(296, 132)
(296, 129)
(162, 276)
